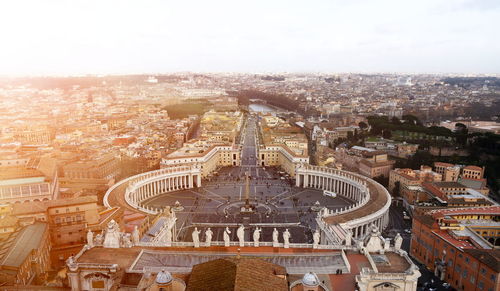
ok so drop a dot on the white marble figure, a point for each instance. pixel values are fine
(208, 236)
(240, 233)
(275, 238)
(98, 239)
(348, 237)
(196, 237)
(316, 238)
(135, 236)
(226, 237)
(168, 236)
(90, 238)
(126, 240)
(398, 241)
(256, 236)
(286, 239)
(112, 235)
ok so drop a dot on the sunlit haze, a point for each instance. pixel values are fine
(118, 37)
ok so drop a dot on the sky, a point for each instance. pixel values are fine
(131, 37)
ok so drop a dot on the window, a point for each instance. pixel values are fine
(472, 279)
(466, 259)
(481, 285)
(483, 271)
(492, 277)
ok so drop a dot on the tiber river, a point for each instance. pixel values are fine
(262, 108)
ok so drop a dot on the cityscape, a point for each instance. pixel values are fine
(156, 176)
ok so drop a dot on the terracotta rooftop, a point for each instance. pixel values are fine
(42, 206)
(237, 274)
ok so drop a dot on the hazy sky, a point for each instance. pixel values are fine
(109, 37)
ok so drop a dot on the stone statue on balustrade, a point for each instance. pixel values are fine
(275, 238)
(90, 238)
(316, 238)
(348, 238)
(286, 239)
(99, 238)
(256, 236)
(398, 241)
(126, 242)
(135, 236)
(112, 235)
(208, 236)
(196, 237)
(240, 233)
(227, 232)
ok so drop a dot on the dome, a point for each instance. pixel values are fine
(310, 279)
(163, 277)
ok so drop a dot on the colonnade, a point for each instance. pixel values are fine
(352, 186)
(147, 185)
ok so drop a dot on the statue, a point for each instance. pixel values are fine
(196, 237)
(99, 239)
(126, 240)
(70, 261)
(275, 238)
(240, 233)
(348, 238)
(135, 235)
(90, 238)
(316, 237)
(256, 236)
(398, 241)
(226, 236)
(208, 236)
(112, 235)
(286, 239)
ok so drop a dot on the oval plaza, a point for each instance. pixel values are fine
(253, 197)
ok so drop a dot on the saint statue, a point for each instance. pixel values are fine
(196, 237)
(135, 235)
(286, 239)
(208, 236)
(226, 237)
(240, 233)
(90, 238)
(316, 237)
(256, 236)
(275, 238)
(112, 235)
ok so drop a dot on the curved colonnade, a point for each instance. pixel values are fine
(372, 202)
(142, 187)
(371, 205)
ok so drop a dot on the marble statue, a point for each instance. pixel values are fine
(240, 233)
(398, 241)
(208, 236)
(126, 241)
(348, 237)
(70, 261)
(275, 238)
(112, 235)
(256, 236)
(98, 239)
(90, 238)
(316, 237)
(226, 237)
(196, 237)
(135, 235)
(286, 239)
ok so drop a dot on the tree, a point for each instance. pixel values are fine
(395, 120)
(386, 134)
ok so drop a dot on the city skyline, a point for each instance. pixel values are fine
(89, 37)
